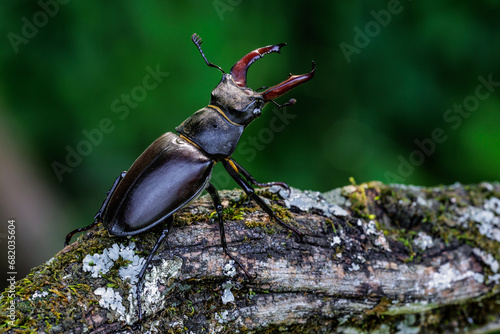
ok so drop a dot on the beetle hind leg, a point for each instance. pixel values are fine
(98, 215)
(218, 207)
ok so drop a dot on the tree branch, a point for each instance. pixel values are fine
(373, 257)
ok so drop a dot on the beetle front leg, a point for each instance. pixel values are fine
(239, 169)
(218, 207)
(251, 193)
(140, 277)
(98, 215)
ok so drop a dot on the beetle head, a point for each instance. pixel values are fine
(240, 103)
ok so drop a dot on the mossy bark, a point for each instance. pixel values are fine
(375, 258)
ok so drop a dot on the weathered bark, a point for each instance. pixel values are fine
(374, 258)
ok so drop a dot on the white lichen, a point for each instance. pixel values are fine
(381, 241)
(38, 295)
(487, 218)
(423, 241)
(424, 202)
(371, 228)
(478, 277)
(446, 275)
(222, 317)
(100, 264)
(97, 264)
(360, 258)
(487, 259)
(111, 300)
(335, 241)
(313, 200)
(227, 295)
(229, 269)
(336, 210)
(131, 271)
(492, 204)
(354, 267)
(494, 278)
(151, 297)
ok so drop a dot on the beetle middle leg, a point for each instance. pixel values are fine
(140, 277)
(218, 207)
(235, 174)
(252, 180)
(98, 215)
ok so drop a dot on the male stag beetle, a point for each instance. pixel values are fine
(176, 168)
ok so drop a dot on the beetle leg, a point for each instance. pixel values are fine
(98, 215)
(262, 88)
(290, 102)
(251, 193)
(81, 229)
(239, 169)
(140, 277)
(218, 207)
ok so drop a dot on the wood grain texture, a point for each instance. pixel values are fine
(374, 258)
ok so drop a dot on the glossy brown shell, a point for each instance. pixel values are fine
(167, 175)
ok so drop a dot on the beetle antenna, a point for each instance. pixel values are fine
(197, 41)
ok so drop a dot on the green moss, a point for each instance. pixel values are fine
(254, 223)
(184, 218)
(60, 277)
(364, 198)
(264, 192)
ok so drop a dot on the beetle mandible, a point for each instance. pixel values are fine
(176, 168)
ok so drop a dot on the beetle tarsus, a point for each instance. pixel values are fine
(252, 180)
(81, 229)
(140, 277)
(98, 215)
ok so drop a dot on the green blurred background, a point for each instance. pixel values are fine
(390, 75)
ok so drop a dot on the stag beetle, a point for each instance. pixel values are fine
(176, 168)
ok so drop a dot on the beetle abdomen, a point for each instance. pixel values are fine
(167, 175)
